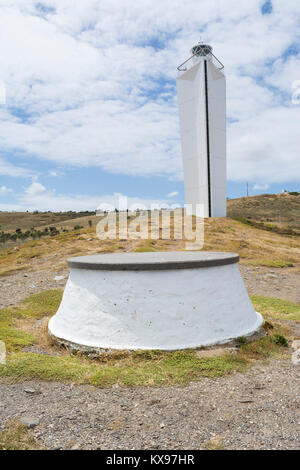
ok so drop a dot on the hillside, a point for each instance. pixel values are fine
(267, 208)
(251, 228)
(10, 221)
(254, 245)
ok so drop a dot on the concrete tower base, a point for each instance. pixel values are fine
(167, 301)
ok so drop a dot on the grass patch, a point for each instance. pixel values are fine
(140, 368)
(214, 444)
(276, 308)
(36, 306)
(14, 339)
(43, 303)
(265, 348)
(241, 340)
(143, 249)
(135, 369)
(146, 368)
(17, 437)
(270, 263)
(286, 231)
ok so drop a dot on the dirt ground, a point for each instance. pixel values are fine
(255, 410)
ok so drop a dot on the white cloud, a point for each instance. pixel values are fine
(284, 73)
(265, 148)
(94, 91)
(173, 194)
(261, 187)
(5, 190)
(39, 198)
(35, 189)
(8, 169)
(2, 93)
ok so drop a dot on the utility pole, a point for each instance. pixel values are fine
(247, 189)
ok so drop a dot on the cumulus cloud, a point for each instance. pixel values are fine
(93, 83)
(35, 189)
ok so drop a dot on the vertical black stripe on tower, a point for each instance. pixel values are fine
(207, 139)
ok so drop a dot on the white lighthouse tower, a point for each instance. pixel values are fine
(201, 92)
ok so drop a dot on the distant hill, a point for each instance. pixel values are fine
(10, 221)
(276, 212)
(270, 208)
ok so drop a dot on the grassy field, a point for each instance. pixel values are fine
(255, 245)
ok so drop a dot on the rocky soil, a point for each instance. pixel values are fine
(256, 410)
(281, 283)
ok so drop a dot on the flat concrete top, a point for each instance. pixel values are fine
(151, 261)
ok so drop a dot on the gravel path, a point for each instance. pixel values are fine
(256, 410)
(16, 287)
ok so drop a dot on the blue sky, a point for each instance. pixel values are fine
(88, 106)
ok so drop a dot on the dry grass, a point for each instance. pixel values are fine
(214, 444)
(17, 437)
(255, 246)
(15, 270)
(38, 330)
(260, 208)
(252, 244)
(10, 221)
(268, 208)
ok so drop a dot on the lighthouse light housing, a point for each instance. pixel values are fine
(201, 50)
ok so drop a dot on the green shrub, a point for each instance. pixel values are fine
(281, 340)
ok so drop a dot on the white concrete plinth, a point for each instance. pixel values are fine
(167, 301)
